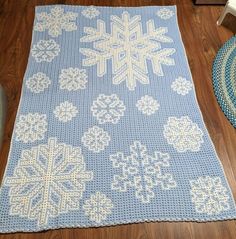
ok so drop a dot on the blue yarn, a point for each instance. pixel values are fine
(108, 129)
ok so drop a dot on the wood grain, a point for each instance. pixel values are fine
(202, 39)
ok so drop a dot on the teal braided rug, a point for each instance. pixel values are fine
(224, 79)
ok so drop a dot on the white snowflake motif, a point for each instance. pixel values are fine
(209, 195)
(181, 86)
(45, 50)
(108, 108)
(90, 12)
(147, 105)
(96, 139)
(65, 111)
(56, 21)
(73, 79)
(31, 127)
(48, 180)
(165, 13)
(38, 83)
(98, 207)
(142, 172)
(128, 48)
(183, 134)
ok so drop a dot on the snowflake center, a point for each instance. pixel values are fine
(48, 178)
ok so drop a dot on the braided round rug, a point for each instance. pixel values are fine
(224, 79)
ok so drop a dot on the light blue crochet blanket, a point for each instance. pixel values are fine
(108, 130)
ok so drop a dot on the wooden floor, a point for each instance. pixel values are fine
(202, 39)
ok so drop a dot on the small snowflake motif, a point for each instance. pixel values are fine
(45, 50)
(181, 86)
(31, 127)
(165, 13)
(49, 180)
(38, 83)
(142, 172)
(73, 79)
(56, 21)
(209, 195)
(183, 134)
(98, 207)
(90, 12)
(96, 139)
(147, 105)
(65, 111)
(108, 109)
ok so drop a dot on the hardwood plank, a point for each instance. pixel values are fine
(202, 39)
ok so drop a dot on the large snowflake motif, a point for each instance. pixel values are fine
(56, 21)
(128, 48)
(108, 108)
(209, 195)
(183, 134)
(141, 171)
(48, 180)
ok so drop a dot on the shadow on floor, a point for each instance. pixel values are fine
(230, 23)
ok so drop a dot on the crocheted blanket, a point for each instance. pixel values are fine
(108, 129)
